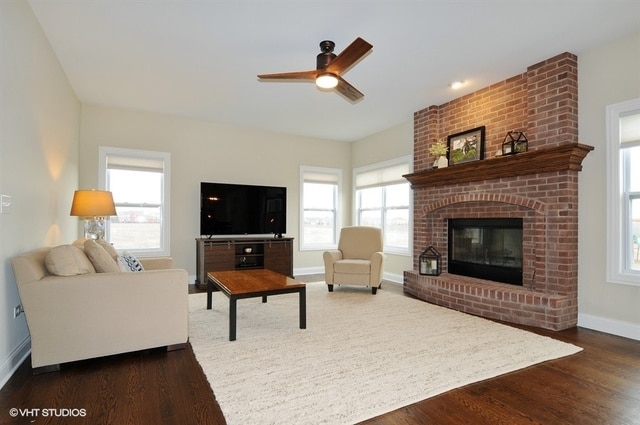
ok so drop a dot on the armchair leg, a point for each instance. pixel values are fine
(330, 288)
(374, 290)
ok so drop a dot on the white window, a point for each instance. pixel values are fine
(320, 212)
(623, 191)
(139, 181)
(383, 199)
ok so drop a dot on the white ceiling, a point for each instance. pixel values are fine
(199, 59)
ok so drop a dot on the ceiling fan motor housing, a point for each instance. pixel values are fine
(327, 55)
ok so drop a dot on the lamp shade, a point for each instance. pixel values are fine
(92, 203)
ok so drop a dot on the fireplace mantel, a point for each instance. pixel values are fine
(567, 156)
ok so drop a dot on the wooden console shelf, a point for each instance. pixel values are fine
(242, 252)
(563, 157)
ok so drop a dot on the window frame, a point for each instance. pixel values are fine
(618, 200)
(165, 225)
(337, 174)
(405, 160)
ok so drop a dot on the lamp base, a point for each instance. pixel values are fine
(94, 228)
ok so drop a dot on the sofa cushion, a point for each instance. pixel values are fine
(100, 258)
(67, 260)
(109, 248)
(352, 266)
(128, 262)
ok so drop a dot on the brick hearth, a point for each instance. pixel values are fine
(540, 186)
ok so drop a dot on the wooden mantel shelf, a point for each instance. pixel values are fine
(568, 156)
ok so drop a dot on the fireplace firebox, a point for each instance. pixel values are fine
(486, 248)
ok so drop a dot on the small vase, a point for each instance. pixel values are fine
(442, 162)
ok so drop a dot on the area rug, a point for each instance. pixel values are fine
(361, 355)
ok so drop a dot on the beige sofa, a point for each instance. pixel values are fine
(98, 314)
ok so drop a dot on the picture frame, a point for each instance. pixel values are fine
(466, 146)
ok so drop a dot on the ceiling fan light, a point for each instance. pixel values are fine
(326, 81)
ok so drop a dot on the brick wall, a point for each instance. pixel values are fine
(542, 102)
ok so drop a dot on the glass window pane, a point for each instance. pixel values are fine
(371, 218)
(634, 168)
(396, 230)
(397, 195)
(135, 186)
(370, 198)
(319, 196)
(319, 227)
(136, 227)
(635, 238)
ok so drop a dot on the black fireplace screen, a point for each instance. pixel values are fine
(486, 248)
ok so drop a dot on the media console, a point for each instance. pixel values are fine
(242, 252)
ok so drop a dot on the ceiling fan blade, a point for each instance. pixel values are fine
(347, 90)
(349, 56)
(301, 75)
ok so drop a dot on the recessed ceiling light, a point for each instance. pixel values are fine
(456, 84)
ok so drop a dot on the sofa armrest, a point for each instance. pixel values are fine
(157, 263)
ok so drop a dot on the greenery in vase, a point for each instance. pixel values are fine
(439, 148)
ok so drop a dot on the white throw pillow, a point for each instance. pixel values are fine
(100, 258)
(67, 260)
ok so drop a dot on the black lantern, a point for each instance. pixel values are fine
(514, 142)
(429, 262)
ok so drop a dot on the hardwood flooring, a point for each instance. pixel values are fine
(600, 385)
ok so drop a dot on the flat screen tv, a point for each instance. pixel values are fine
(239, 209)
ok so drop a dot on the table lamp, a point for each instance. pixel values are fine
(93, 205)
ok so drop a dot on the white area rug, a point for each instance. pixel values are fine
(361, 355)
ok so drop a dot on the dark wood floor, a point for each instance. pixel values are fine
(600, 385)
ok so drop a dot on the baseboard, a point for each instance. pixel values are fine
(304, 271)
(610, 326)
(395, 278)
(15, 359)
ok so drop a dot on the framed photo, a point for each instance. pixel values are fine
(466, 146)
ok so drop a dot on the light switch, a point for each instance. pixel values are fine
(5, 204)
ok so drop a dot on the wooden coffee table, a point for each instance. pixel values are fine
(238, 284)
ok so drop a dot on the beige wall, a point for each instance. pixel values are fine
(205, 151)
(39, 137)
(606, 76)
(392, 143)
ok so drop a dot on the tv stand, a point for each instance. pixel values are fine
(219, 253)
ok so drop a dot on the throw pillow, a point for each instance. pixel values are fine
(67, 260)
(129, 262)
(109, 247)
(100, 258)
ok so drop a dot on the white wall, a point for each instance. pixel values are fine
(606, 76)
(205, 151)
(39, 136)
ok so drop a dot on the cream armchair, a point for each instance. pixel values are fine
(358, 259)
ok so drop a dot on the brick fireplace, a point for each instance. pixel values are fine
(539, 186)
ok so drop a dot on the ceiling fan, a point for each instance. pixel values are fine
(329, 67)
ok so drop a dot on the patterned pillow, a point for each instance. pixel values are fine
(129, 263)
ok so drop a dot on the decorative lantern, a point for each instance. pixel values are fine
(429, 262)
(515, 142)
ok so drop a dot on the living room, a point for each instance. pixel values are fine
(50, 141)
